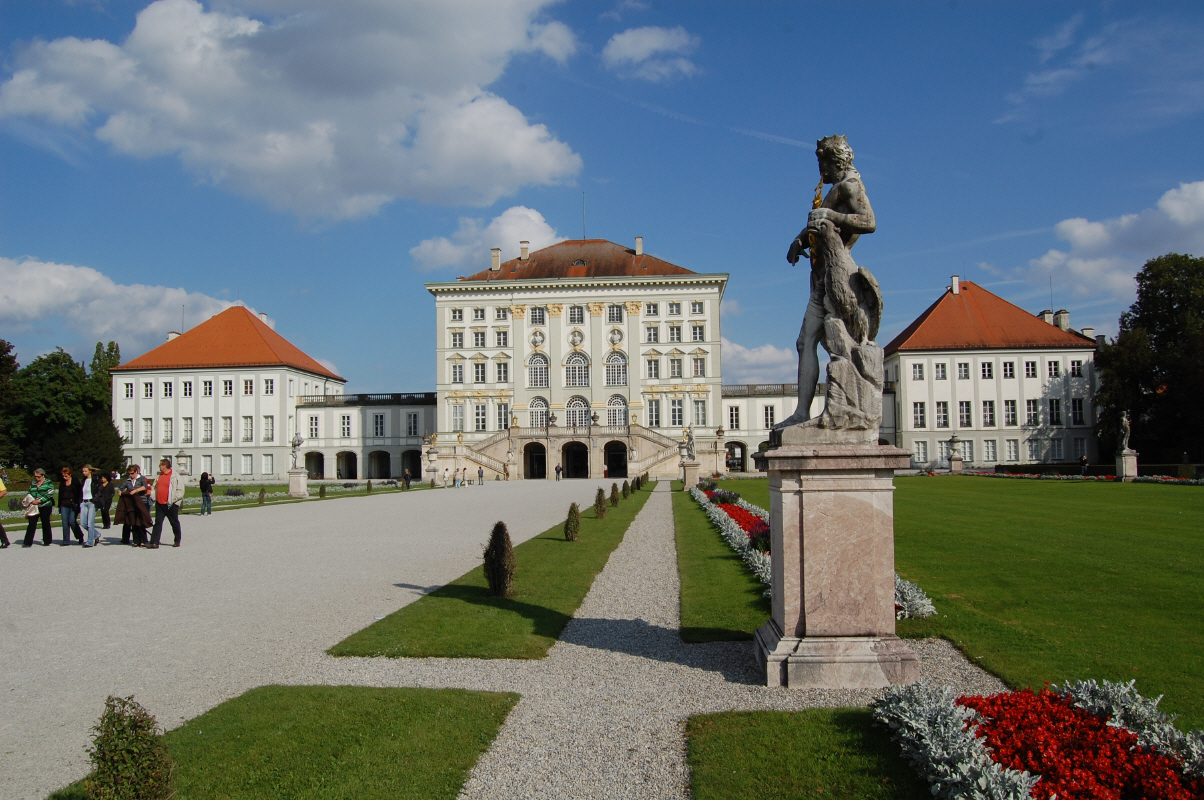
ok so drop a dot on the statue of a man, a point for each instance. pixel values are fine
(847, 207)
(1125, 430)
(691, 453)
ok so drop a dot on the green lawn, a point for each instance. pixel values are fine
(816, 753)
(462, 620)
(333, 742)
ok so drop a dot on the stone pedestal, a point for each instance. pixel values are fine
(689, 474)
(1126, 465)
(955, 463)
(833, 536)
(298, 483)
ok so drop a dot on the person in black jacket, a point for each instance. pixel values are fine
(206, 493)
(70, 497)
(106, 499)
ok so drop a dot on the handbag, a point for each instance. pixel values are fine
(31, 507)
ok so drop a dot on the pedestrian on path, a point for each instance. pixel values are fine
(406, 478)
(169, 491)
(480, 476)
(445, 474)
(132, 515)
(70, 499)
(106, 499)
(559, 469)
(90, 494)
(3, 491)
(206, 494)
(40, 500)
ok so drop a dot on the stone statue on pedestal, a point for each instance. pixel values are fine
(1125, 430)
(691, 453)
(296, 443)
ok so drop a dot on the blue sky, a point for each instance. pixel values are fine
(320, 162)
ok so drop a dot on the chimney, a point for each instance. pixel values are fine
(524, 250)
(639, 245)
(171, 335)
(1101, 340)
(1047, 315)
(496, 264)
(957, 285)
(1062, 319)
(1089, 332)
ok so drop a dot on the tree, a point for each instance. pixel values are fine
(10, 450)
(100, 381)
(1154, 368)
(97, 442)
(51, 394)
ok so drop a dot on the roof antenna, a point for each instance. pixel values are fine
(181, 317)
(583, 216)
(1051, 291)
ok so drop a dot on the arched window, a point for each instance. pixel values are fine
(616, 369)
(576, 370)
(576, 412)
(537, 372)
(538, 411)
(616, 410)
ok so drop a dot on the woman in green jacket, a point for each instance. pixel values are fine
(42, 493)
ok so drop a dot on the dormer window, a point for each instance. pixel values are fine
(579, 262)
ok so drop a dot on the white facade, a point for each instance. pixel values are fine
(357, 436)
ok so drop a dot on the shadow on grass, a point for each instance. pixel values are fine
(547, 621)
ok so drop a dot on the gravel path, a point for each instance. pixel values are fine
(602, 716)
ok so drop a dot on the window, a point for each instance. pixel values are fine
(1009, 369)
(187, 389)
(654, 368)
(501, 313)
(963, 371)
(576, 371)
(576, 412)
(988, 372)
(207, 388)
(768, 414)
(965, 414)
(457, 340)
(919, 418)
(1077, 417)
(206, 430)
(942, 450)
(967, 451)
(207, 464)
(616, 410)
(503, 416)
(269, 464)
(248, 429)
(479, 416)
(148, 390)
(698, 332)
(1055, 449)
(313, 427)
(675, 368)
(269, 428)
(676, 414)
(652, 309)
(675, 308)
(695, 306)
(457, 315)
(1076, 369)
(478, 372)
(988, 414)
(576, 315)
(457, 414)
(614, 313)
(227, 388)
(919, 452)
(345, 426)
(652, 334)
(186, 430)
(503, 371)
(989, 453)
(1034, 450)
(147, 469)
(1055, 411)
(248, 387)
(1032, 413)
(700, 367)
(942, 414)
(938, 372)
(378, 424)
(227, 429)
(539, 316)
(411, 423)
(1030, 369)
(127, 430)
(501, 338)
(1054, 368)
(537, 371)
(1009, 412)
(674, 333)
(538, 412)
(290, 387)
(478, 314)
(616, 369)
(227, 465)
(129, 391)
(269, 386)
(457, 373)
(478, 338)
(917, 372)
(700, 413)
(248, 464)
(1080, 448)
(654, 413)
(1013, 449)
(733, 418)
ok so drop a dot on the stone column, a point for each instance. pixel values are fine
(1126, 464)
(298, 483)
(689, 475)
(955, 463)
(832, 528)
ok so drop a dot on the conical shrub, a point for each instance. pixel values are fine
(626, 490)
(129, 757)
(369, 489)
(572, 524)
(635, 483)
(499, 562)
(322, 491)
(600, 503)
(614, 495)
(262, 494)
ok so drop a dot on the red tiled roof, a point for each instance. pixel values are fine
(599, 258)
(233, 338)
(976, 319)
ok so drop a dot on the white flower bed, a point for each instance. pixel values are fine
(911, 600)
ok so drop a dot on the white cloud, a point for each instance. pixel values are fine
(731, 308)
(651, 53)
(1103, 257)
(330, 365)
(92, 305)
(468, 248)
(764, 364)
(328, 110)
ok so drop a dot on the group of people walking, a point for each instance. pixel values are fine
(460, 477)
(82, 500)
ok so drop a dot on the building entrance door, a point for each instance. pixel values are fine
(616, 460)
(535, 462)
(576, 460)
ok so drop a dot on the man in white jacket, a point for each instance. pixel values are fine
(168, 492)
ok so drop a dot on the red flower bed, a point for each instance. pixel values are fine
(1077, 755)
(755, 527)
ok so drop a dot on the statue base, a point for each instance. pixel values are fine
(689, 475)
(298, 483)
(833, 544)
(1126, 465)
(955, 463)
